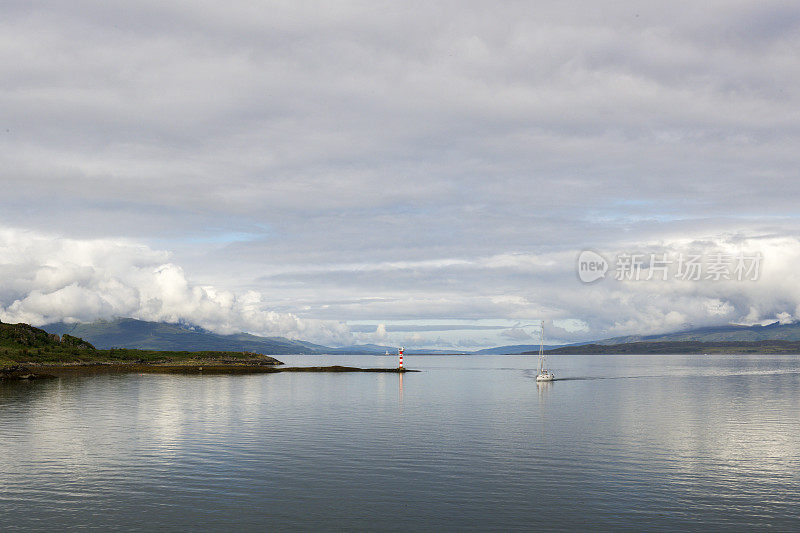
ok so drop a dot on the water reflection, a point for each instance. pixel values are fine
(691, 443)
(542, 387)
(400, 390)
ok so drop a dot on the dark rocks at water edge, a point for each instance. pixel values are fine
(22, 372)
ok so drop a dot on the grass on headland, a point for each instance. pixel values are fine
(22, 344)
(45, 356)
(30, 353)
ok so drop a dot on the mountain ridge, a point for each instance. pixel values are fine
(727, 333)
(139, 334)
(731, 333)
(143, 335)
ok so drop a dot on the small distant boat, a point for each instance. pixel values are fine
(387, 352)
(544, 374)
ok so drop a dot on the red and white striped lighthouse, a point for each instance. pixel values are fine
(400, 353)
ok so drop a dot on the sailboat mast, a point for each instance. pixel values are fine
(541, 347)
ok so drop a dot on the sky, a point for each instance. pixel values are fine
(418, 173)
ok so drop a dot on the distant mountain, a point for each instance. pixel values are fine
(143, 335)
(377, 349)
(515, 349)
(732, 333)
(368, 349)
(683, 347)
(139, 334)
(132, 333)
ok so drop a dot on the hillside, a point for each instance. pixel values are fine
(139, 334)
(377, 349)
(25, 338)
(731, 333)
(22, 344)
(142, 335)
(681, 347)
(515, 349)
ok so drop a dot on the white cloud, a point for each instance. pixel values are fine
(546, 285)
(517, 335)
(380, 333)
(48, 279)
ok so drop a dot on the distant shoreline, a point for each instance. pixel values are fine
(680, 347)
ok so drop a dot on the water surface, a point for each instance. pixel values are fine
(472, 443)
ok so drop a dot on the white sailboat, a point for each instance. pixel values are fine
(544, 374)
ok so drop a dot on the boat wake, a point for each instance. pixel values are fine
(532, 375)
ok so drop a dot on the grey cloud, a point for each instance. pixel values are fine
(375, 133)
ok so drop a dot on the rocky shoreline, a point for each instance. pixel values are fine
(50, 371)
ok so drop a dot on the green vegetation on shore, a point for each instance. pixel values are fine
(29, 353)
(25, 344)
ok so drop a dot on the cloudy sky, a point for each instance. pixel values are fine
(420, 173)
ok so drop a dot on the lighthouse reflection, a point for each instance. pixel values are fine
(400, 390)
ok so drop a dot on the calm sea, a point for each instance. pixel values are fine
(471, 443)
